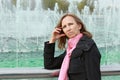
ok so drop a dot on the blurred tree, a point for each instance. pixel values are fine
(48, 4)
(81, 4)
(13, 2)
(62, 4)
(90, 3)
(84, 3)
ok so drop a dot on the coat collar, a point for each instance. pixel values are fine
(85, 43)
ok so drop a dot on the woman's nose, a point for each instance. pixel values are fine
(68, 28)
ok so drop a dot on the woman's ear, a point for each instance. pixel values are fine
(80, 26)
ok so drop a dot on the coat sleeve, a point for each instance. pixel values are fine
(92, 62)
(51, 62)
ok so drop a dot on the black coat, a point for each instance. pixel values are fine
(85, 59)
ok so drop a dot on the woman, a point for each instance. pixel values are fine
(81, 59)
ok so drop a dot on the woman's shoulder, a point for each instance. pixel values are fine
(85, 39)
(85, 43)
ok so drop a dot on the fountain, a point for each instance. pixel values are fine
(24, 28)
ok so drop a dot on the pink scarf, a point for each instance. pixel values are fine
(65, 64)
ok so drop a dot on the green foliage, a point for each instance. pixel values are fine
(62, 4)
(13, 2)
(82, 4)
(91, 8)
(48, 4)
(86, 2)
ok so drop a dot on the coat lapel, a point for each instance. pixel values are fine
(84, 44)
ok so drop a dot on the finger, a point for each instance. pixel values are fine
(62, 35)
(58, 30)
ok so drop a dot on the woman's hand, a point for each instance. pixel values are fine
(56, 34)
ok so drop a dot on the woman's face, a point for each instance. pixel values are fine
(70, 27)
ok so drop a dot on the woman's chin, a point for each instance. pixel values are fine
(71, 36)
